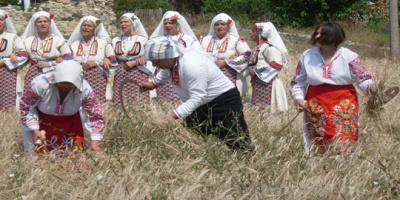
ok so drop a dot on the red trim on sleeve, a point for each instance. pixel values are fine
(23, 53)
(276, 65)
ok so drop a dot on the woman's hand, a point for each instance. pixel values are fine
(13, 58)
(43, 64)
(131, 64)
(147, 86)
(141, 60)
(37, 135)
(106, 63)
(59, 60)
(2, 64)
(89, 65)
(95, 146)
(372, 89)
(252, 73)
(220, 63)
(301, 105)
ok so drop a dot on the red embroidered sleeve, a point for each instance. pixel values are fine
(293, 90)
(92, 106)
(27, 101)
(358, 68)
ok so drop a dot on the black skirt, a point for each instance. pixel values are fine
(224, 118)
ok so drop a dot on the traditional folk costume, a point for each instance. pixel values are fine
(223, 48)
(267, 60)
(166, 93)
(48, 50)
(41, 109)
(98, 49)
(331, 96)
(10, 43)
(209, 97)
(129, 49)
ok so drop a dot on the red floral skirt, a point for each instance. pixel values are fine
(230, 73)
(8, 88)
(97, 81)
(33, 71)
(62, 132)
(332, 118)
(130, 91)
(261, 92)
(166, 94)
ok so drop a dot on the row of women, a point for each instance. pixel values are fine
(326, 119)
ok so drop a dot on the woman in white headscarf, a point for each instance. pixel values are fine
(52, 102)
(267, 60)
(12, 56)
(90, 45)
(129, 49)
(45, 44)
(174, 26)
(228, 50)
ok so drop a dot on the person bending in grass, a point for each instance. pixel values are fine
(211, 100)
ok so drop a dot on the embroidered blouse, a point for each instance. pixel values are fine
(130, 48)
(43, 95)
(196, 79)
(48, 49)
(96, 51)
(266, 61)
(345, 68)
(226, 47)
(12, 44)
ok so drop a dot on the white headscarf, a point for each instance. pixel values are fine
(184, 26)
(67, 71)
(268, 31)
(99, 31)
(136, 24)
(9, 25)
(31, 27)
(223, 17)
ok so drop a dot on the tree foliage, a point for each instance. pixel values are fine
(6, 2)
(123, 5)
(299, 13)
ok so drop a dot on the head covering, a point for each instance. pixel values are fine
(136, 24)
(9, 25)
(31, 27)
(227, 19)
(99, 31)
(163, 49)
(182, 23)
(67, 71)
(268, 31)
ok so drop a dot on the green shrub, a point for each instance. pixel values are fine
(6, 2)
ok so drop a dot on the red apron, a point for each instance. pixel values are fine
(332, 118)
(62, 132)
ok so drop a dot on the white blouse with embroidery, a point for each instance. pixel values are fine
(48, 49)
(130, 48)
(10, 43)
(230, 45)
(345, 68)
(196, 79)
(44, 96)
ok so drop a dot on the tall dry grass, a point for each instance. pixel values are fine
(147, 158)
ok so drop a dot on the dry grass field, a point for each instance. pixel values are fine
(146, 158)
